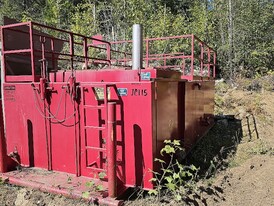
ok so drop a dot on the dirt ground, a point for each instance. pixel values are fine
(249, 179)
(17, 196)
(243, 157)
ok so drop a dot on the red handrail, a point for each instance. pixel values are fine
(198, 55)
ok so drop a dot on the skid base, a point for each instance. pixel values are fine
(61, 183)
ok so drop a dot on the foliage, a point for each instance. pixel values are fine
(83, 21)
(94, 187)
(258, 83)
(3, 180)
(57, 13)
(251, 45)
(240, 30)
(175, 179)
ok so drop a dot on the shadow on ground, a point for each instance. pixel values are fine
(212, 154)
(212, 151)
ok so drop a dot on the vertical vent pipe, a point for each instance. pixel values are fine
(137, 47)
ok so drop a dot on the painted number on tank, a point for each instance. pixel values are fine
(139, 92)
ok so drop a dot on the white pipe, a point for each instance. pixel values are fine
(137, 47)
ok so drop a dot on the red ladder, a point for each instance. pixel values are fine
(102, 105)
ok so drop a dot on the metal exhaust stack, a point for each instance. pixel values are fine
(137, 47)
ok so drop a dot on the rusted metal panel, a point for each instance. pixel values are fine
(199, 109)
(167, 112)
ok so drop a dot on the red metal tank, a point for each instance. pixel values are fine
(106, 123)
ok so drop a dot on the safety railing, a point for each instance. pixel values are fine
(30, 50)
(185, 53)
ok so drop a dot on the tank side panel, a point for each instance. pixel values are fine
(133, 133)
(33, 130)
(63, 129)
(167, 112)
(199, 110)
(25, 131)
(138, 119)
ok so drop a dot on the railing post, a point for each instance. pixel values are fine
(202, 60)
(2, 56)
(32, 51)
(108, 45)
(43, 60)
(71, 50)
(111, 150)
(85, 51)
(192, 55)
(183, 65)
(52, 54)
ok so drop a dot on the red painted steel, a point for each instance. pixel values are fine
(61, 183)
(3, 153)
(112, 179)
(194, 41)
(81, 114)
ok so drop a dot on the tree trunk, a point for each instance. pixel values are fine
(230, 39)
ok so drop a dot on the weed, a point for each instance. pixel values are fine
(92, 187)
(175, 179)
(222, 87)
(233, 163)
(3, 180)
(102, 175)
(219, 102)
(69, 180)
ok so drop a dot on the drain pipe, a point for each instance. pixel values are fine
(137, 47)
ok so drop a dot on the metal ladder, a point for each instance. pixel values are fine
(103, 107)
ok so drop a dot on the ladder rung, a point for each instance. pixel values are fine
(97, 169)
(94, 107)
(94, 127)
(96, 148)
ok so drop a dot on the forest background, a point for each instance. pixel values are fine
(241, 31)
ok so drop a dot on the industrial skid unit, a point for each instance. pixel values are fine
(79, 109)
